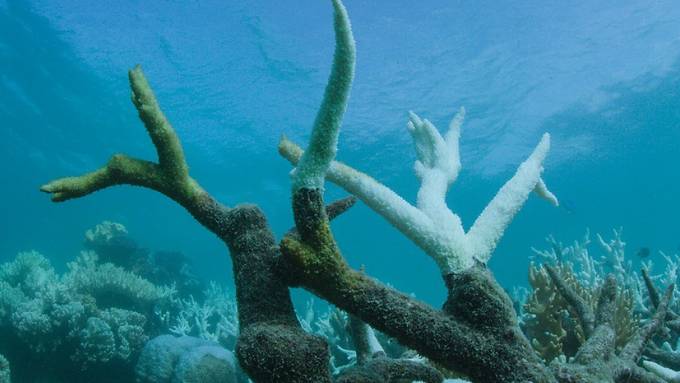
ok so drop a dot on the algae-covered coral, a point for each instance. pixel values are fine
(552, 323)
(475, 334)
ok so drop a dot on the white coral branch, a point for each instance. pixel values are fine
(431, 224)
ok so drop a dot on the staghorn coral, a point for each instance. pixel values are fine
(431, 224)
(476, 333)
(552, 324)
(667, 374)
(68, 323)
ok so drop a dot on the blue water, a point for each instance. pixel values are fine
(602, 77)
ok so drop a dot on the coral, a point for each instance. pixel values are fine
(114, 334)
(215, 319)
(169, 359)
(476, 333)
(97, 343)
(206, 364)
(29, 272)
(112, 285)
(5, 372)
(10, 298)
(113, 244)
(34, 303)
(82, 320)
(373, 364)
(312, 167)
(332, 325)
(431, 224)
(667, 374)
(552, 323)
(106, 233)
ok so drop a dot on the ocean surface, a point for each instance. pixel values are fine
(602, 77)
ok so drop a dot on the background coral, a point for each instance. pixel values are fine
(551, 323)
(4, 370)
(89, 320)
(185, 359)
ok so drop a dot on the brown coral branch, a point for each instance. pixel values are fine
(580, 306)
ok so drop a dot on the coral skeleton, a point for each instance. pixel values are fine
(431, 224)
(4, 370)
(474, 335)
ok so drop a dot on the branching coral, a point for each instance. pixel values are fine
(110, 284)
(71, 322)
(4, 370)
(476, 333)
(169, 359)
(666, 374)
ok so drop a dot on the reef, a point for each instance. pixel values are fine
(97, 317)
(477, 333)
(90, 320)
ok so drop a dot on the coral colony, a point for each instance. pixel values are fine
(121, 313)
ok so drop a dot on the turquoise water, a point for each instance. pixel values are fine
(602, 77)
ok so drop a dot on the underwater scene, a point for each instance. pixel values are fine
(339, 191)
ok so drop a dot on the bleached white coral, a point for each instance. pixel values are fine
(311, 170)
(431, 224)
